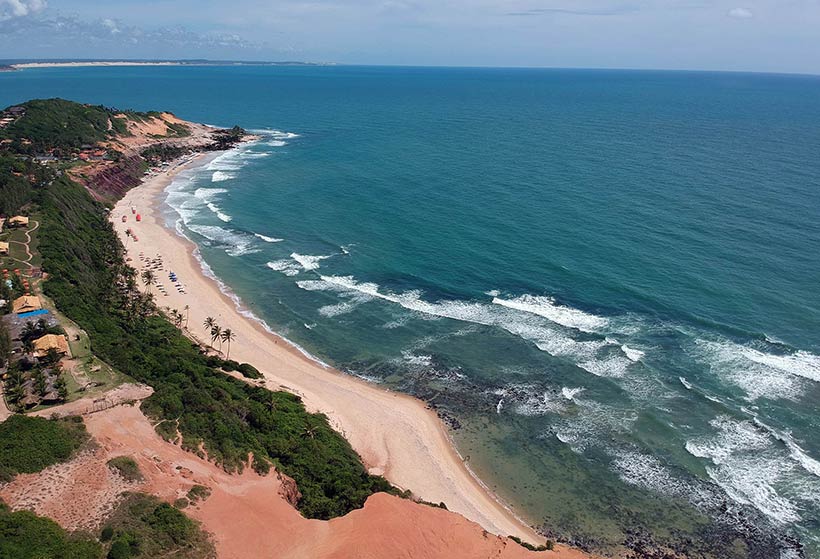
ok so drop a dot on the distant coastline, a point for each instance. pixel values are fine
(24, 64)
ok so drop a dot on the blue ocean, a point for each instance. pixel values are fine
(607, 283)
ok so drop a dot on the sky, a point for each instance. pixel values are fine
(738, 35)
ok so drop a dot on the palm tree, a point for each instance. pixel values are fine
(228, 336)
(148, 279)
(177, 316)
(186, 309)
(216, 334)
(209, 325)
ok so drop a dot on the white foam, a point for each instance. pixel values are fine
(571, 393)
(277, 143)
(546, 307)
(745, 466)
(760, 375)
(795, 451)
(524, 325)
(632, 353)
(686, 384)
(238, 243)
(308, 262)
(221, 176)
(614, 366)
(287, 267)
(267, 239)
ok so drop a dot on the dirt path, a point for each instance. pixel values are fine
(26, 244)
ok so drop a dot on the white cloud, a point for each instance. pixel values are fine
(20, 8)
(741, 13)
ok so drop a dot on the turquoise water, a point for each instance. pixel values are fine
(606, 282)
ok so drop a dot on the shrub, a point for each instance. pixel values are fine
(126, 467)
(29, 444)
(24, 535)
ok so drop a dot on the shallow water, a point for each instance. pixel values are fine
(607, 282)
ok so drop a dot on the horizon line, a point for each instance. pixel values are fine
(13, 62)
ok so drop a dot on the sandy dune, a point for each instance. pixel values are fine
(396, 435)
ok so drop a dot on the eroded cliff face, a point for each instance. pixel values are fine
(108, 178)
(288, 489)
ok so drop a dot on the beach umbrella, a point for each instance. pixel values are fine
(139, 217)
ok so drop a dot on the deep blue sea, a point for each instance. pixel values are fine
(607, 282)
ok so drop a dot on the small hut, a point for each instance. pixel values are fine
(4, 248)
(18, 221)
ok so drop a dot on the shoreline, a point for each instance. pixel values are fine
(396, 435)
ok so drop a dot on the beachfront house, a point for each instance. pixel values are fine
(26, 303)
(51, 341)
(18, 221)
(4, 248)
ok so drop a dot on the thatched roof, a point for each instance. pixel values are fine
(26, 303)
(51, 341)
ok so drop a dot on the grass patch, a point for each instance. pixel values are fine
(29, 444)
(126, 467)
(145, 527)
(24, 535)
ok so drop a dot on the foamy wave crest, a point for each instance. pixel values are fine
(570, 393)
(267, 239)
(221, 176)
(795, 451)
(614, 366)
(277, 143)
(524, 325)
(287, 267)
(633, 354)
(308, 262)
(746, 467)
(235, 243)
(760, 374)
(282, 135)
(549, 309)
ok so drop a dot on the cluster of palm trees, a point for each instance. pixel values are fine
(179, 318)
(219, 335)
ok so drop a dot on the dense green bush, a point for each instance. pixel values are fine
(145, 527)
(24, 535)
(126, 467)
(57, 123)
(29, 444)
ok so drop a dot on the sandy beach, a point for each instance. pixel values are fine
(396, 435)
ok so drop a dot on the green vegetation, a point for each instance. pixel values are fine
(550, 545)
(90, 284)
(225, 139)
(29, 444)
(198, 493)
(126, 467)
(162, 152)
(144, 527)
(57, 124)
(24, 535)
(17, 177)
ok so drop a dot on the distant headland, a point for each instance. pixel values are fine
(10, 65)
